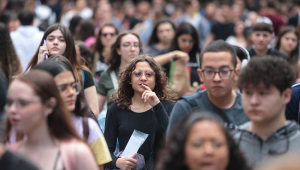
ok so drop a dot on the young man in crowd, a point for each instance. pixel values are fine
(261, 37)
(26, 39)
(218, 73)
(266, 84)
(224, 28)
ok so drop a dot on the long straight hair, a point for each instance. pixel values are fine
(59, 121)
(70, 51)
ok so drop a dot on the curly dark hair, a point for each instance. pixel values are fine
(268, 70)
(172, 157)
(122, 97)
(9, 61)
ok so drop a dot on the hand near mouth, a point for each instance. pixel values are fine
(149, 96)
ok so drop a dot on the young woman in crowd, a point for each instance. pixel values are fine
(185, 47)
(200, 141)
(59, 41)
(143, 103)
(69, 89)
(238, 38)
(126, 47)
(288, 43)
(161, 38)
(85, 32)
(101, 49)
(35, 108)
(9, 61)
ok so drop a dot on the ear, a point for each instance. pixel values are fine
(118, 51)
(200, 75)
(236, 74)
(50, 105)
(286, 95)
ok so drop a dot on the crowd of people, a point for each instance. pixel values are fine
(149, 84)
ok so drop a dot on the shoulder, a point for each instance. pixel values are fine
(14, 147)
(194, 97)
(277, 53)
(94, 128)
(167, 103)
(105, 75)
(73, 147)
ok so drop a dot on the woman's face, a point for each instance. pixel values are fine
(288, 42)
(56, 43)
(68, 88)
(143, 74)
(24, 108)
(108, 36)
(165, 32)
(206, 147)
(239, 28)
(129, 48)
(185, 43)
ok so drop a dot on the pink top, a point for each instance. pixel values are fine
(75, 154)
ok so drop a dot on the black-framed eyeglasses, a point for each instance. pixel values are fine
(74, 85)
(139, 73)
(131, 45)
(223, 73)
(106, 34)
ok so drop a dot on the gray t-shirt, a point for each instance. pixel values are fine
(199, 101)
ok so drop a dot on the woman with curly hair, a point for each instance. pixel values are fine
(200, 141)
(143, 103)
(9, 61)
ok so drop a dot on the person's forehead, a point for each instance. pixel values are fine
(164, 25)
(129, 38)
(262, 32)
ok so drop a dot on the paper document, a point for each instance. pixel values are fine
(135, 142)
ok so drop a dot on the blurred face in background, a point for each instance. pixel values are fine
(165, 33)
(185, 42)
(108, 36)
(288, 42)
(206, 147)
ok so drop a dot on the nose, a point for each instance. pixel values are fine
(71, 91)
(55, 41)
(254, 100)
(208, 148)
(217, 77)
(143, 76)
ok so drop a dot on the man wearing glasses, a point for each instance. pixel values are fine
(266, 84)
(218, 73)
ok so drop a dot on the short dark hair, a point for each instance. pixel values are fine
(26, 17)
(219, 46)
(263, 27)
(268, 70)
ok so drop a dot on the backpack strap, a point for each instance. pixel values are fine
(86, 130)
(192, 101)
(114, 79)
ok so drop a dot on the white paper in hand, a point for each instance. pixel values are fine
(135, 142)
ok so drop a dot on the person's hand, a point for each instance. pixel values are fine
(42, 52)
(150, 96)
(182, 56)
(126, 163)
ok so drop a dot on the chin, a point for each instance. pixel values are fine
(71, 108)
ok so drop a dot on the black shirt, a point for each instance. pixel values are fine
(88, 79)
(271, 52)
(10, 161)
(222, 31)
(120, 123)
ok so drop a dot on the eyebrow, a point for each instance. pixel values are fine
(224, 66)
(55, 36)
